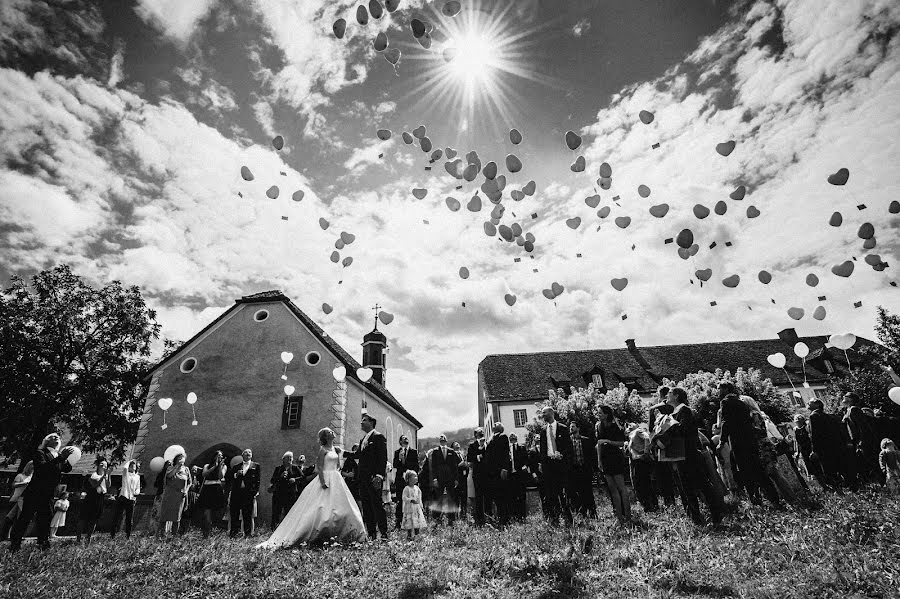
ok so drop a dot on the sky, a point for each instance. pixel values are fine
(124, 126)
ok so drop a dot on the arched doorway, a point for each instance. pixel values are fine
(228, 450)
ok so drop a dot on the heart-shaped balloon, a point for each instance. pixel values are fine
(894, 207)
(246, 175)
(866, 231)
(339, 27)
(801, 350)
(510, 298)
(513, 164)
(660, 210)
(704, 274)
(623, 221)
(172, 451)
(765, 277)
(489, 229)
(348, 238)
(844, 342)
(419, 193)
(192, 398)
(836, 219)
(752, 212)
(335, 257)
(777, 360)
(605, 171)
(471, 171)
(684, 253)
(463, 272)
(453, 204)
(643, 191)
(385, 317)
(454, 168)
(685, 238)
(845, 269)
(873, 259)
(796, 313)
(326, 308)
(605, 182)
(297, 196)
(619, 284)
(557, 289)
(272, 192)
(364, 374)
(323, 223)
(646, 117)
(289, 390)
(840, 177)
(720, 208)
(490, 170)
(286, 357)
(419, 132)
(530, 188)
(347, 261)
(505, 232)
(738, 193)
(726, 147)
(701, 211)
(339, 373)
(407, 138)
(812, 280)
(548, 293)
(383, 134)
(869, 243)
(578, 166)
(819, 313)
(164, 403)
(573, 223)
(474, 204)
(894, 395)
(517, 195)
(604, 212)
(731, 281)
(515, 137)
(592, 201)
(693, 249)
(573, 140)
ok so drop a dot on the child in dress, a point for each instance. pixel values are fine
(413, 516)
(889, 460)
(60, 507)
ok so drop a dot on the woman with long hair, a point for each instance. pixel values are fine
(611, 457)
(212, 492)
(171, 506)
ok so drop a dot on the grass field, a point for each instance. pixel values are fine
(849, 548)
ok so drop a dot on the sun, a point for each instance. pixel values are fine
(472, 58)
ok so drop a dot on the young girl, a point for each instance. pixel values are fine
(60, 507)
(889, 460)
(413, 516)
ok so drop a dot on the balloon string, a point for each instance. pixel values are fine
(804, 370)
(848, 360)
(789, 379)
(193, 411)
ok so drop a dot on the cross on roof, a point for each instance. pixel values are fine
(376, 309)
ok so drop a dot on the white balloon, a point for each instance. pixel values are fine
(164, 403)
(75, 456)
(894, 394)
(289, 390)
(844, 342)
(192, 398)
(364, 374)
(339, 373)
(777, 360)
(156, 464)
(173, 451)
(286, 357)
(801, 350)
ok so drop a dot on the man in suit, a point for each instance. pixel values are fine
(520, 474)
(864, 445)
(829, 447)
(245, 479)
(462, 481)
(498, 465)
(475, 458)
(405, 458)
(284, 487)
(443, 466)
(737, 428)
(556, 457)
(581, 479)
(372, 467)
(37, 499)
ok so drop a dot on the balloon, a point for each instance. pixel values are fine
(425, 144)
(451, 9)
(529, 246)
(505, 232)
(704, 274)
(801, 350)
(385, 317)
(339, 27)
(725, 148)
(391, 5)
(348, 238)
(453, 204)
(272, 192)
(866, 231)
(873, 259)
(777, 360)
(418, 28)
(157, 463)
(474, 204)
(738, 193)
(685, 238)
(327, 308)
(436, 155)
(529, 188)
(451, 153)
(463, 272)
(364, 374)
(660, 210)
(894, 207)
(701, 211)
(172, 451)
(75, 456)
(604, 212)
(454, 168)
(796, 313)
(510, 299)
(573, 140)
(845, 269)
(192, 398)
(623, 221)
(720, 208)
(836, 219)
(516, 229)
(765, 277)
(392, 55)
(335, 257)
(278, 142)
(605, 170)
(694, 249)
(164, 403)
(557, 289)
(490, 170)
(684, 253)
(592, 201)
(407, 138)
(619, 284)
(573, 223)
(286, 357)
(643, 191)
(289, 390)
(362, 15)
(513, 164)
(419, 193)
(489, 229)
(578, 166)
(812, 280)
(339, 244)
(339, 373)
(548, 293)
(383, 134)
(450, 53)
(515, 137)
(376, 9)
(236, 460)
(646, 117)
(732, 281)
(323, 223)
(347, 261)
(470, 172)
(840, 177)
(752, 212)
(894, 395)
(869, 243)
(819, 313)
(246, 175)
(844, 342)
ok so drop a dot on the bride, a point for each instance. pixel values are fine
(326, 508)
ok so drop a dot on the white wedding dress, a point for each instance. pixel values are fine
(321, 514)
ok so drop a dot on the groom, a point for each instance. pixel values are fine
(372, 458)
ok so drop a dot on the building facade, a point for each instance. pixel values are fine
(510, 385)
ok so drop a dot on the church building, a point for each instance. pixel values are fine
(243, 400)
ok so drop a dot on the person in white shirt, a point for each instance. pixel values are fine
(19, 484)
(128, 492)
(92, 506)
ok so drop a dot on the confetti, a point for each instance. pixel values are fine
(424, 221)
(458, 187)
(534, 270)
(713, 303)
(821, 298)
(284, 218)
(857, 304)
(773, 300)
(624, 317)
(282, 173)
(240, 195)
(517, 259)
(712, 245)
(655, 146)
(381, 155)
(728, 244)
(427, 168)
(893, 283)
(534, 215)
(616, 198)
(464, 304)
(633, 246)
(861, 207)
(669, 240)
(578, 255)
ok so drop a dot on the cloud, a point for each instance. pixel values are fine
(368, 154)
(117, 65)
(581, 27)
(177, 19)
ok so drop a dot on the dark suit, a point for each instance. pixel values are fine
(555, 473)
(284, 492)
(519, 478)
(37, 499)
(401, 465)
(244, 489)
(830, 447)
(737, 427)
(475, 458)
(445, 470)
(372, 461)
(581, 478)
(498, 459)
(691, 472)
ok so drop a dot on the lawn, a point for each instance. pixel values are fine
(849, 548)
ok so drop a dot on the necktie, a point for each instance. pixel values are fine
(551, 439)
(512, 457)
(403, 459)
(444, 451)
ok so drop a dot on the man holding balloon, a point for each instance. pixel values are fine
(49, 464)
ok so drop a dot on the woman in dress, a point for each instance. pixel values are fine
(171, 506)
(611, 456)
(92, 506)
(326, 508)
(60, 507)
(212, 493)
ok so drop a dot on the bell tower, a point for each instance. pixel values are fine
(374, 348)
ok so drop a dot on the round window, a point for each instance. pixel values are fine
(313, 358)
(261, 315)
(189, 364)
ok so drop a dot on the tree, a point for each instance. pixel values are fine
(72, 356)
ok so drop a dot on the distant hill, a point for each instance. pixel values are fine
(463, 436)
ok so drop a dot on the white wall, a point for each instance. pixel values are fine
(506, 417)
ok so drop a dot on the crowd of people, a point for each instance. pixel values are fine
(673, 455)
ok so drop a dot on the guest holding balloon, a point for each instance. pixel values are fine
(212, 492)
(92, 506)
(37, 500)
(128, 492)
(171, 505)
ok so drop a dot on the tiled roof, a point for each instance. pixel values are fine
(350, 364)
(517, 377)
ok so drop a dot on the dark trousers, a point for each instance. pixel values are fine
(399, 485)
(556, 478)
(665, 481)
(500, 499)
(372, 508)
(241, 507)
(481, 508)
(753, 477)
(581, 491)
(641, 473)
(124, 506)
(692, 480)
(518, 501)
(41, 509)
(281, 505)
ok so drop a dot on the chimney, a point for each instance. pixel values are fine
(789, 336)
(629, 343)
(639, 358)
